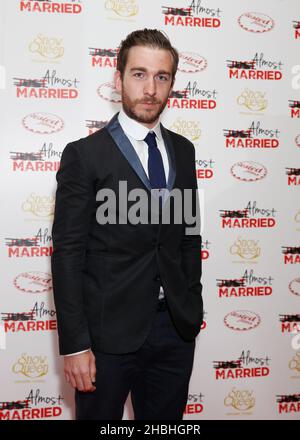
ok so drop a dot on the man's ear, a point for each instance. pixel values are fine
(118, 81)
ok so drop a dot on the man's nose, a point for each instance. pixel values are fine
(150, 86)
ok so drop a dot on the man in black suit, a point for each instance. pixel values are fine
(128, 294)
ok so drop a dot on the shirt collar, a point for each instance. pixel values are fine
(135, 129)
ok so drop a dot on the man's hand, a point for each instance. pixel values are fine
(80, 371)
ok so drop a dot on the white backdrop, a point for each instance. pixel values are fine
(237, 98)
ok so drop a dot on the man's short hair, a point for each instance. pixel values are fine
(149, 38)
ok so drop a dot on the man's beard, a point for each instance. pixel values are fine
(142, 116)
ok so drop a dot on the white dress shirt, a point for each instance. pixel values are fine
(136, 133)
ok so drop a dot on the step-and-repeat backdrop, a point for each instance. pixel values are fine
(237, 98)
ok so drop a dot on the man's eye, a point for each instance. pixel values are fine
(162, 77)
(138, 74)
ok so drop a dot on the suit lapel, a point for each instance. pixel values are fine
(171, 156)
(127, 149)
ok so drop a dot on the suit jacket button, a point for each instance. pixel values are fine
(157, 278)
(159, 246)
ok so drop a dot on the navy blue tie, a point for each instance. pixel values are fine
(156, 170)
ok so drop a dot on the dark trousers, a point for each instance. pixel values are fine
(157, 374)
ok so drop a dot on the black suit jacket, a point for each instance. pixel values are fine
(106, 278)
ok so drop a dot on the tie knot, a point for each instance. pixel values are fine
(150, 139)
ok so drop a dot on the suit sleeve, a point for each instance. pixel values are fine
(72, 216)
(191, 239)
